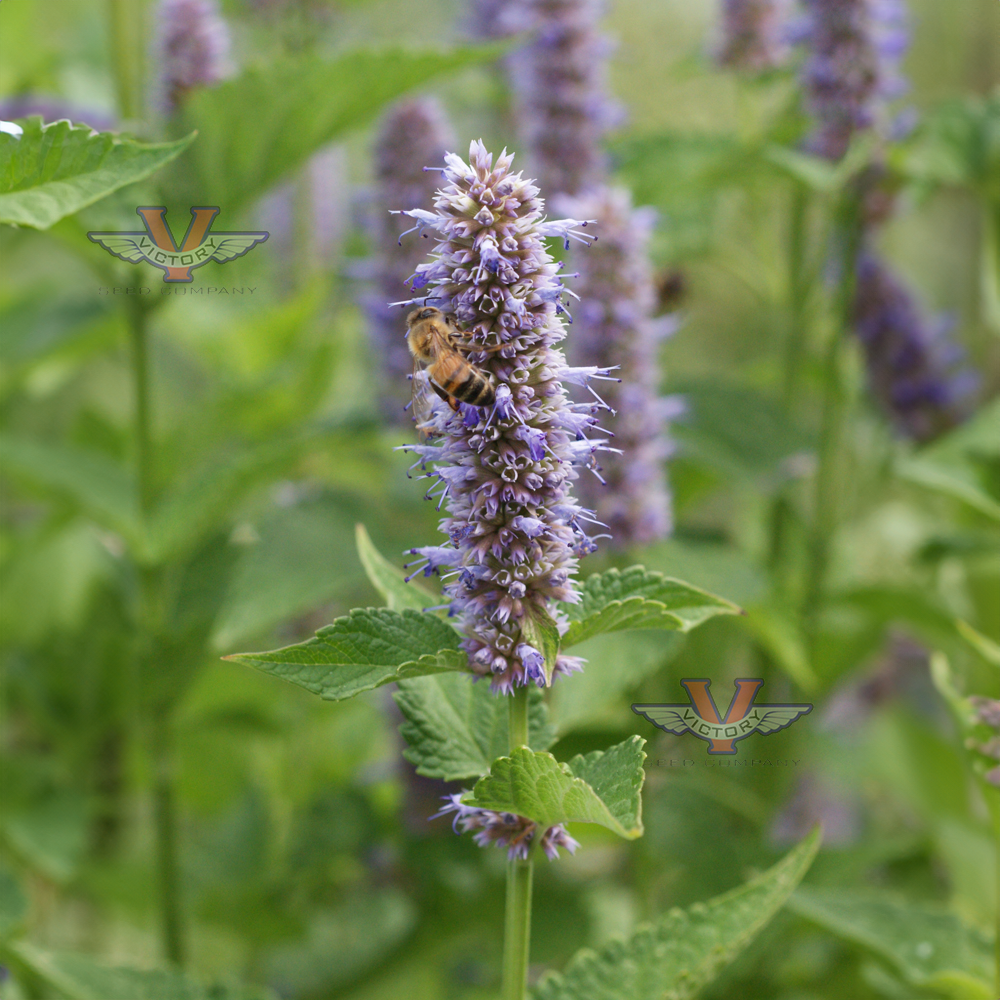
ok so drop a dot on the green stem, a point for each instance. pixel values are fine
(517, 921)
(126, 19)
(165, 816)
(826, 505)
(150, 613)
(798, 290)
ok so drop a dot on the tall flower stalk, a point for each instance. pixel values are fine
(505, 471)
(613, 328)
(851, 71)
(559, 79)
(911, 362)
(192, 47)
(412, 137)
(753, 35)
(514, 530)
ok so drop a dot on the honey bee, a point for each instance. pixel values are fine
(434, 342)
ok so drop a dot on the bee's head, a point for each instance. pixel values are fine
(426, 312)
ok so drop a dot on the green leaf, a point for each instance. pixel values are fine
(618, 600)
(929, 948)
(13, 903)
(388, 580)
(739, 431)
(675, 956)
(54, 170)
(343, 943)
(456, 728)
(540, 630)
(81, 978)
(982, 644)
(97, 484)
(261, 125)
(780, 635)
(363, 650)
(286, 570)
(962, 464)
(603, 787)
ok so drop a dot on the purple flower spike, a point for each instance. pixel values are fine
(911, 363)
(505, 470)
(559, 81)
(613, 328)
(852, 68)
(754, 35)
(413, 135)
(516, 833)
(988, 714)
(193, 48)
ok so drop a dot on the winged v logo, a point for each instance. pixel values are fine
(700, 716)
(155, 244)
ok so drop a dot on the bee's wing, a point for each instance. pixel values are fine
(425, 403)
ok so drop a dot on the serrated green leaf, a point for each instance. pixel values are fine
(363, 650)
(54, 170)
(534, 784)
(618, 600)
(455, 728)
(259, 126)
(388, 580)
(13, 903)
(674, 957)
(80, 978)
(100, 486)
(929, 948)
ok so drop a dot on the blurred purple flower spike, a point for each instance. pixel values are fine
(912, 365)
(754, 35)
(613, 328)
(413, 136)
(193, 48)
(851, 70)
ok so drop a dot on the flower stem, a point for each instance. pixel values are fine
(826, 504)
(126, 19)
(798, 290)
(517, 922)
(150, 611)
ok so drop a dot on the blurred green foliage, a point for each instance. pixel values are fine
(305, 864)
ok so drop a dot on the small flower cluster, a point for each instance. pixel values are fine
(988, 714)
(516, 833)
(754, 35)
(413, 135)
(852, 68)
(613, 328)
(193, 47)
(911, 363)
(514, 530)
(559, 80)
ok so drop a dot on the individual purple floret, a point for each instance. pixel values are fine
(514, 530)
(413, 135)
(559, 82)
(852, 68)
(754, 35)
(516, 833)
(912, 365)
(193, 47)
(613, 328)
